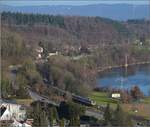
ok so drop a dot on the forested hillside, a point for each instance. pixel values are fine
(89, 30)
(92, 30)
(98, 41)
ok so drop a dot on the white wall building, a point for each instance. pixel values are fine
(115, 95)
(12, 111)
(39, 51)
(52, 53)
(18, 124)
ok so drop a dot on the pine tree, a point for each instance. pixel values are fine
(121, 118)
(62, 122)
(74, 122)
(39, 116)
(107, 114)
(52, 115)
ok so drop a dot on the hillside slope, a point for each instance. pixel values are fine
(70, 29)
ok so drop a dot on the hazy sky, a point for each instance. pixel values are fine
(70, 2)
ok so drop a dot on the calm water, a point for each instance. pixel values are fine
(126, 78)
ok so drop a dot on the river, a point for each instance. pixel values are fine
(126, 78)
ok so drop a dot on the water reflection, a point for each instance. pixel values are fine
(125, 78)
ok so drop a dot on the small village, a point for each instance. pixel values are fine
(14, 114)
(86, 68)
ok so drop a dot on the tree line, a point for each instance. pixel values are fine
(30, 19)
(117, 117)
(75, 24)
(67, 114)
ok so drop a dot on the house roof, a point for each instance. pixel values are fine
(7, 101)
(13, 102)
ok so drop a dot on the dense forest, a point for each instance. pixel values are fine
(91, 30)
(87, 30)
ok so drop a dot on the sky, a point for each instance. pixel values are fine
(70, 2)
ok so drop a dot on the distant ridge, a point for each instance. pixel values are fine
(113, 11)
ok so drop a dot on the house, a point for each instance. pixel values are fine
(16, 124)
(39, 56)
(19, 124)
(52, 54)
(11, 110)
(116, 95)
(39, 51)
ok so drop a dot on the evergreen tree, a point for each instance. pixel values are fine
(118, 116)
(62, 122)
(71, 112)
(39, 116)
(107, 114)
(52, 115)
(121, 118)
(136, 93)
(6, 88)
(55, 113)
(74, 122)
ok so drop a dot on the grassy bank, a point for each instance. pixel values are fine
(24, 101)
(102, 98)
(143, 107)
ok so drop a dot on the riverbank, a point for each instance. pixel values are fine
(101, 69)
(102, 98)
(126, 79)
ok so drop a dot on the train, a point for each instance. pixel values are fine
(83, 100)
(75, 98)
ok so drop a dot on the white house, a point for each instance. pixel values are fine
(10, 111)
(52, 54)
(39, 51)
(115, 95)
(18, 124)
(39, 56)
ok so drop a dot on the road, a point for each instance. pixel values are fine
(37, 97)
(94, 114)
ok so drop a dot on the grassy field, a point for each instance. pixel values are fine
(24, 101)
(146, 100)
(102, 98)
(143, 108)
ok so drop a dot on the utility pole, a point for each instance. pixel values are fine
(149, 11)
(122, 83)
(126, 60)
(133, 10)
